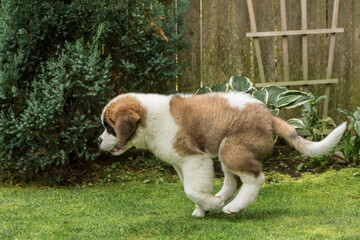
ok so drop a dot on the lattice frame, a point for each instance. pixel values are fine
(304, 32)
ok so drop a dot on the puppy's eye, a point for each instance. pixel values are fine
(111, 131)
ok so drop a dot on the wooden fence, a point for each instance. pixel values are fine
(220, 48)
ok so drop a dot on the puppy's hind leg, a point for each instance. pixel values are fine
(198, 175)
(248, 193)
(242, 162)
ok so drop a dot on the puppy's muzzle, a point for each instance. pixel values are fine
(99, 141)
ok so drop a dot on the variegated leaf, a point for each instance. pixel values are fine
(240, 84)
(262, 95)
(302, 100)
(275, 111)
(203, 90)
(274, 92)
(220, 88)
(296, 123)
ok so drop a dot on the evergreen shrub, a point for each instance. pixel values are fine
(61, 61)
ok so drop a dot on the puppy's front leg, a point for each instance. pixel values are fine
(198, 212)
(198, 176)
(179, 173)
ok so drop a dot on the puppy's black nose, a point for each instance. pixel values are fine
(99, 140)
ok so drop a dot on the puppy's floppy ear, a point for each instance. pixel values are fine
(125, 126)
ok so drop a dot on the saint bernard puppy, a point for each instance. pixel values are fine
(189, 131)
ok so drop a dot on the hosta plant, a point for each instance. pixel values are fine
(311, 120)
(273, 96)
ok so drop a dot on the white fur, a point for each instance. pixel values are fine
(198, 175)
(198, 212)
(230, 184)
(248, 193)
(108, 141)
(161, 129)
(314, 149)
(239, 99)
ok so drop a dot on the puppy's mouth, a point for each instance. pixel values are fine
(116, 149)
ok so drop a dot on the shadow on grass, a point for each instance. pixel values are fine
(213, 224)
(250, 214)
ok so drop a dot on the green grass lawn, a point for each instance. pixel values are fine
(325, 206)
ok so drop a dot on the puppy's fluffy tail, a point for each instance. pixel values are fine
(304, 146)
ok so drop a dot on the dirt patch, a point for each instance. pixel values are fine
(286, 160)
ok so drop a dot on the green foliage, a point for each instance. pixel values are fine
(262, 95)
(310, 118)
(203, 90)
(145, 59)
(60, 116)
(351, 138)
(273, 96)
(220, 88)
(274, 93)
(240, 84)
(61, 61)
(28, 34)
(312, 122)
(291, 99)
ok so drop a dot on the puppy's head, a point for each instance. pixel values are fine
(121, 120)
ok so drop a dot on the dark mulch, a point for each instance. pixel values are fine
(284, 160)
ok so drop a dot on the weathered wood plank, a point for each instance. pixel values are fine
(226, 52)
(332, 39)
(331, 57)
(293, 13)
(299, 83)
(265, 18)
(285, 51)
(294, 32)
(281, 64)
(318, 46)
(304, 42)
(255, 42)
(355, 49)
(189, 80)
(343, 61)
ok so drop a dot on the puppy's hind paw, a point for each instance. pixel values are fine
(229, 209)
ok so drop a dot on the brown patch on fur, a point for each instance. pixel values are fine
(124, 116)
(289, 133)
(239, 158)
(205, 121)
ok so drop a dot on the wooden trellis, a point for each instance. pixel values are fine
(284, 33)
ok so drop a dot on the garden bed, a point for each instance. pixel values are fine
(137, 165)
